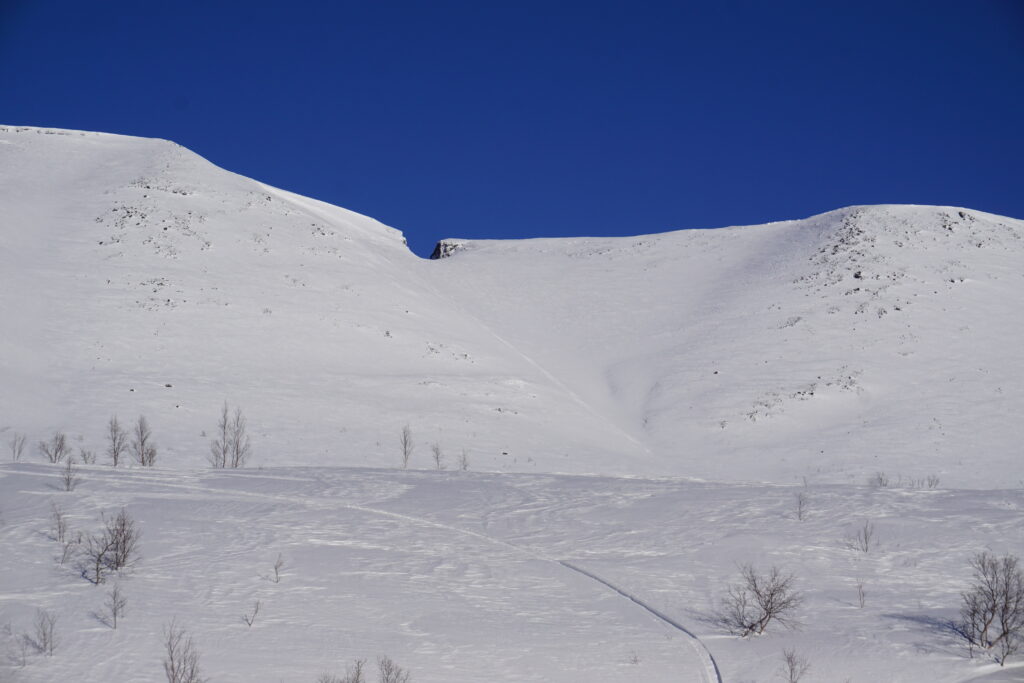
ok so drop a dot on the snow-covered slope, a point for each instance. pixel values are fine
(869, 338)
(466, 577)
(135, 277)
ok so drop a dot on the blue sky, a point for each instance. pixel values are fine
(524, 119)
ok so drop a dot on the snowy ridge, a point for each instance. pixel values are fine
(139, 278)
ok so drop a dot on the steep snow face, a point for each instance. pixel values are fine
(135, 277)
(867, 339)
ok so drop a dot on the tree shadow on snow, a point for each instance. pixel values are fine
(102, 618)
(943, 635)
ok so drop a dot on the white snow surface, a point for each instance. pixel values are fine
(701, 378)
(869, 338)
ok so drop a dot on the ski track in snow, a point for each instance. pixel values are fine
(709, 671)
(709, 667)
(710, 674)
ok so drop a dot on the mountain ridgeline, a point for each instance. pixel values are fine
(137, 278)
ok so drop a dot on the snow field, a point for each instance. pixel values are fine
(458, 576)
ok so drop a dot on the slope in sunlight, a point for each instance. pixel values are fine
(136, 277)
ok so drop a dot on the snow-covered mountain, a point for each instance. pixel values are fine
(875, 342)
(136, 277)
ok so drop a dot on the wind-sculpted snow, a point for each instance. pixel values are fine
(137, 278)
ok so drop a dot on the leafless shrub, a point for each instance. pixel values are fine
(94, 559)
(143, 448)
(389, 672)
(113, 549)
(464, 460)
(794, 667)
(88, 457)
(46, 640)
(66, 549)
(879, 480)
(56, 449)
(59, 522)
(992, 614)
(250, 619)
(181, 659)
(115, 604)
(117, 441)
(932, 480)
(758, 600)
(240, 445)
(438, 456)
(861, 594)
(803, 501)
(125, 540)
(17, 446)
(232, 446)
(69, 475)
(863, 538)
(354, 673)
(278, 566)
(219, 447)
(405, 441)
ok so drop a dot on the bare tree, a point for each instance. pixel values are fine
(861, 594)
(17, 445)
(113, 549)
(438, 456)
(389, 672)
(143, 448)
(463, 460)
(124, 536)
(46, 640)
(250, 619)
(240, 446)
(95, 557)
(864, 538)
(88, 457)
(66, 549)
(181, 659)
(278, 566)
(59, 520)
(69, 475)
(354, 673)
(115, 604)
(758, 600)
(803, 501)
(232, 446)
(221, 445)
(407, 445)
(117, 441)
(56, 449)
(794, 667)
(992, 614)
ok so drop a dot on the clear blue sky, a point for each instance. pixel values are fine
(522, 119)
